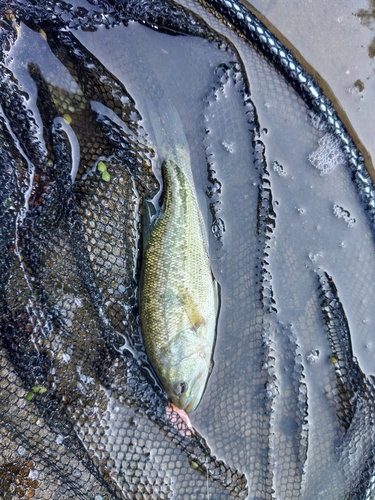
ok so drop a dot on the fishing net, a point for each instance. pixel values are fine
(82, 413)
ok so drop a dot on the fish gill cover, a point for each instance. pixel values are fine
(288, 410)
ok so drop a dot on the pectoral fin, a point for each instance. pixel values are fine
(191, 309)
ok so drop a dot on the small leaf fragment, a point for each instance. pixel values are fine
(106, 177)
(38, 389)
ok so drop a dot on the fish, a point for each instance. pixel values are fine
(179, 298)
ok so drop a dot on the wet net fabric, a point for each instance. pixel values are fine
(82, 414)
(76, 385)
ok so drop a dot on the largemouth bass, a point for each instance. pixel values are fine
(178, 295)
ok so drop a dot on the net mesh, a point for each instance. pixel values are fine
(75, 379)
(82, 414)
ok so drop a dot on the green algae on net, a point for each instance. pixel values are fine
(288, 409)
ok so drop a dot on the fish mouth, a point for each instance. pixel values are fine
(195, 400)
(188, 404)
(193, 404)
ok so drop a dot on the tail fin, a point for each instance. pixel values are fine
(170, 138)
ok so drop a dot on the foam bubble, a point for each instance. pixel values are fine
(278, 168)
(340, 213)
(328, 155)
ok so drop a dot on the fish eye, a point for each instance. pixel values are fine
(180, 388)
